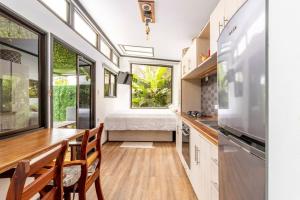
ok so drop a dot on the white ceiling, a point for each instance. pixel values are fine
(177, 22)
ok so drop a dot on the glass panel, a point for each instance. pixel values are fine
(19, 77)
(151, 86)
(60, 7)
(104, 48)
(84, 81)
(106, 83)
(112, 85)
(64, 86)
(82, 27)
(115, 59)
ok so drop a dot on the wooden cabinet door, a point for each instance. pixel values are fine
(216, 22)
(205, 168)
(195, 175)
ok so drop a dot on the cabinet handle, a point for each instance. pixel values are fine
(215, 160)
(220, 26)
(215, 184)
(198, 156)
(225, 21)
(195, 158)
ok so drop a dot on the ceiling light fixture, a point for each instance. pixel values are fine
(147, 14)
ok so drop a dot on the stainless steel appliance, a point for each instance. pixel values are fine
(242, 104)
(186, 144)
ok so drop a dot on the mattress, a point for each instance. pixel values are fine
(160, 121)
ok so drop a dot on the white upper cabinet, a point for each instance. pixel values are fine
(220, 17)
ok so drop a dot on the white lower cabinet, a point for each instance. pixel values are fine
(204, 167)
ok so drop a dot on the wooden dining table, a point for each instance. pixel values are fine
(29, 145)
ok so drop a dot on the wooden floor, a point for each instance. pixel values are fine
(138, 174)
(142, 174)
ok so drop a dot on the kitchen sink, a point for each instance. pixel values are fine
(211, 123)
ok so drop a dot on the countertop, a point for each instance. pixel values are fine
(208, 132)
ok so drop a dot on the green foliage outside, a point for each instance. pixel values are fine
(151, 86)
(63, 96)
(64, 60)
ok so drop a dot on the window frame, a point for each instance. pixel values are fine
(54, 38)
(56, 14)
(78, 12)
(154, 65)
(76, 6)
(110, 52)
(42, 72)
(116, 83)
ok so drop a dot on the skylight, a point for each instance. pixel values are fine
(137, 51)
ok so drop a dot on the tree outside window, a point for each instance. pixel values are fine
(151, 86)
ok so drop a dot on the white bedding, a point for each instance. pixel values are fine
(164, 120)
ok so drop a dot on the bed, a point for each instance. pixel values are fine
(141, 125)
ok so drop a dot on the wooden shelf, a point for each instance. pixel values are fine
(209, 66)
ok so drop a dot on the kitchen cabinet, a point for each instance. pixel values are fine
(195, 171)
(204, 166)
(220, 17)
(192, 57)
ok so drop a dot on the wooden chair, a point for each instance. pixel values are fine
(17, 189)
(90, 172)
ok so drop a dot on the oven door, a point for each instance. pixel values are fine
(186, 147)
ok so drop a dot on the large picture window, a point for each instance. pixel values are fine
(19, 77)
(151, 86)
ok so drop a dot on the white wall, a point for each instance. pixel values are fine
(123, 91)
(37, 14)
(284, 100)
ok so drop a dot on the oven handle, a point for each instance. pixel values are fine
(185, 134)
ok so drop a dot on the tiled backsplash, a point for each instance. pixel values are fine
(209, 94)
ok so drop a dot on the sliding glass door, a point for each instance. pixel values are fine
(85, 94)
(72, 89)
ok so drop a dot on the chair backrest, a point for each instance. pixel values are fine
(17, 189)
(91, 149)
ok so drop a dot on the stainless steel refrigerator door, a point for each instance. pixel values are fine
(241, 174)
(241, 72)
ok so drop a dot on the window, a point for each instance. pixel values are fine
(115, 59)
(110, 84)
(104, 48)
(20, 95)
(60, 7)
(84, 29)
(151, 86)
(137, 51)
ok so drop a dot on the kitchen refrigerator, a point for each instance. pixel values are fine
(242, 104)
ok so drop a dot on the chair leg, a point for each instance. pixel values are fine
(98, 189)
(67, 196)
(81, 194)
